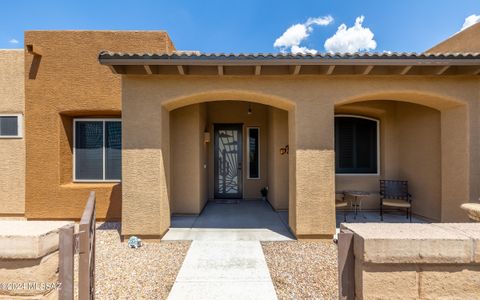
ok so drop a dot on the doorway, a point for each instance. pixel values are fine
(228, 161)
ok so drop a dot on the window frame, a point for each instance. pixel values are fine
(248, 153)
(103, 120)
(377, 122)
(19, 126)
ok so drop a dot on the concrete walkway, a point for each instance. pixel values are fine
(225, 259)
(224, 270)
(248, 220)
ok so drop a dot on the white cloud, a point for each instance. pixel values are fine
(470, 20)
(352, 39)
(13, 41)
(296, 34)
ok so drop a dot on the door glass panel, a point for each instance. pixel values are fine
(228, 164)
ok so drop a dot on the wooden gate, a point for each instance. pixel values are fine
(81, 242)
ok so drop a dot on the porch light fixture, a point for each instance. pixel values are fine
(249, 110)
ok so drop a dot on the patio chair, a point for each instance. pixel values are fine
(341, 203)
(394, 193)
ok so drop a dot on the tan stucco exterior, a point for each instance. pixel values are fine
(409, 150)
(429, 134)
(12, 150)
(429, 130)
(63, 81)
(464, 41)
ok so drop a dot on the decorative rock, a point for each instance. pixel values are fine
(134, 242)
(473, 211)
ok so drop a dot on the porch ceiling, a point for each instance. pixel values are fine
(195, 63)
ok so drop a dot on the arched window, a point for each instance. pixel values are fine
(356, 145)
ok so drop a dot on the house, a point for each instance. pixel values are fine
(155, 131)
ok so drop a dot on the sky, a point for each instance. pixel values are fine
(249, 26)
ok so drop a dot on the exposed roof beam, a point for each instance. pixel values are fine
(367, 70)
(296, 70)
(113, 69)
(181, 70)
(220, 70)
(258, 70)
(442, 70)
(148, 69)
(405, 70)
(330, 70)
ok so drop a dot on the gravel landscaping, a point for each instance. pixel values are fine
(303, 269)
(144, 273)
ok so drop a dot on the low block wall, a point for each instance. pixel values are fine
(415, 261)
(29, 259)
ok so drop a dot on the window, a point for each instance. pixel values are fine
(356, 145)
(97, 151)
(11, 126)
(253, 153)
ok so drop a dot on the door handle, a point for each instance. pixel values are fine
(239, 166)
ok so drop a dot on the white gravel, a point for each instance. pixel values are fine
(144, 273)
(303, 269)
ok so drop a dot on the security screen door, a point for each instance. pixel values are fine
(228, 161)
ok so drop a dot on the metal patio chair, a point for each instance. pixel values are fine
(394, 193)
(340, 202)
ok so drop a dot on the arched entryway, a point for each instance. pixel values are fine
(225, 155)
(421, 138)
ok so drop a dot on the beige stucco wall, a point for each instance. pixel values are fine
(464, 41)
(64, 81)
(186, 160)
(310, 102)
(277, 163)
(12, 150)
(409, 150)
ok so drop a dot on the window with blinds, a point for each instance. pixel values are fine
(356, 145)
(97, 150)
(10, 126)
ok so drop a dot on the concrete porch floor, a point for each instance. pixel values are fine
(374, 217)
(247, 220)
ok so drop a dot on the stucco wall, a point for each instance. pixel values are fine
(12, 150)
(277, 163)
(62, 82)
(464, 41)
(409, 150)
(187, 153)
(311, 102)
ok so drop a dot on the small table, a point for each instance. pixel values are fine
(357, 197)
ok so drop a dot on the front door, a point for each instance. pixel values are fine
(228, 161)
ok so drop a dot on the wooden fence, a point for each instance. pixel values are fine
(346, 266)
(81, 242)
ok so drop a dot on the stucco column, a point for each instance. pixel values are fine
(145, 168)
(312, 172)
(455, 163)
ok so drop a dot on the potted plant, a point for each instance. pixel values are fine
(264, 192)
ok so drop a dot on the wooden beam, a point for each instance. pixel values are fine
(296, 70)
(148, 69)
(442, 70)
(330, 70)
(258, 70)
(113, 69)
(220, 70)
(406, 70)
(367, 70)
(181, 70)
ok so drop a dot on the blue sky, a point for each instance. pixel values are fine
(248, 25)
